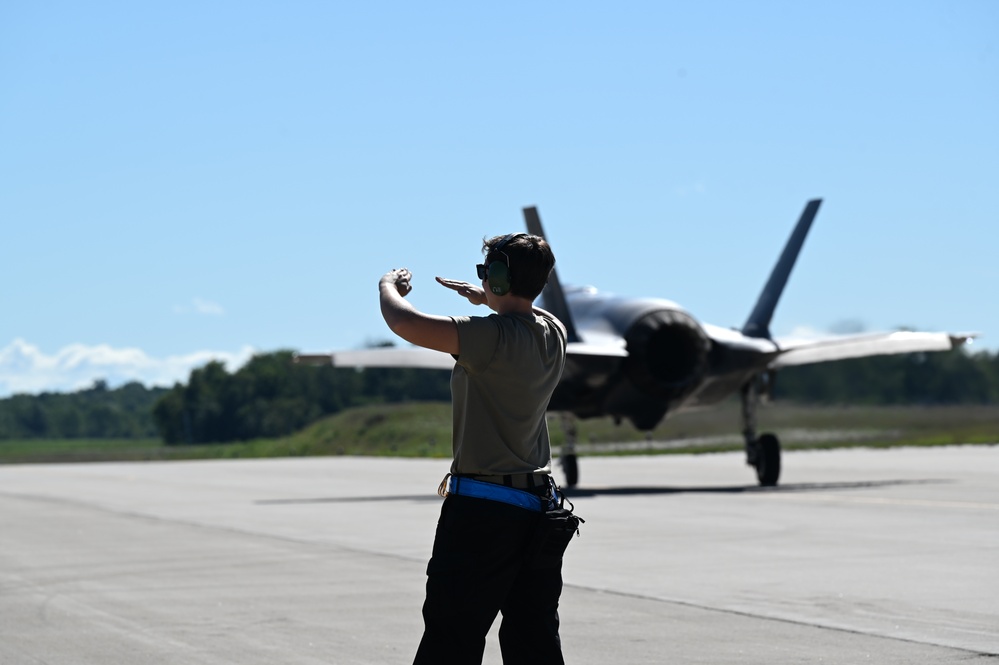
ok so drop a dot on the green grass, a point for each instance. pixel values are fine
(802, 427)
(424, 430)
(76, 450)
(408, 430)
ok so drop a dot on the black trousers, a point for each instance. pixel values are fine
(480, 567)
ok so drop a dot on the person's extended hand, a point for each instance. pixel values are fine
(475, 294)
(399, 278)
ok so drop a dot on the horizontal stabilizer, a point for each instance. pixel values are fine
(805, 352)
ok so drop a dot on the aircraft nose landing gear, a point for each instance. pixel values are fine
(570, 466)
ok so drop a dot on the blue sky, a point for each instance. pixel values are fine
(188, 180)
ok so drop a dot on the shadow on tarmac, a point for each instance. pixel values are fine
(588, 492)
(585, 492)
(350, 499)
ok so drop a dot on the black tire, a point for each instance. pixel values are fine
(571, 470)
(767, 460)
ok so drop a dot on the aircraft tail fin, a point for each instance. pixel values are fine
(553, 297)
(758, 323)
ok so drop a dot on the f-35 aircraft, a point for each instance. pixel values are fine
(642, 359)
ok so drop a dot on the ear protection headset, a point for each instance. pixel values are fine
(497, 272)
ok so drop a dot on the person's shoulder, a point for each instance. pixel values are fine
(478, 323)
(551, 320)
(466, 319)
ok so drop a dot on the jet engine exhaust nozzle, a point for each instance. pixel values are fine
(667, 353)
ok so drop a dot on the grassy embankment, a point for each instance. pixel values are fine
(423, 430)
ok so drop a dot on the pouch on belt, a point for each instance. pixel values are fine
(553, 534)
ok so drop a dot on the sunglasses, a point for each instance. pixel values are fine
(480, 270)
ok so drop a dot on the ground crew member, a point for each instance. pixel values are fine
(486, 558)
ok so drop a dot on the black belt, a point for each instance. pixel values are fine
(531, 482)
(477, 489)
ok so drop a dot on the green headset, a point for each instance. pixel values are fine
(497, 272)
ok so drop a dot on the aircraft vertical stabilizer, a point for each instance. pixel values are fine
(758, 323)
(553, 296)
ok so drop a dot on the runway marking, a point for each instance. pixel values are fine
(885, 501)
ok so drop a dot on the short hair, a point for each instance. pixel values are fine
(531, 261)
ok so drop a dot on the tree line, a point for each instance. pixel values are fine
(96, 412)
(949, 377)
(272, 396)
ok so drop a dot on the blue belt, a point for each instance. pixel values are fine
(477, 489)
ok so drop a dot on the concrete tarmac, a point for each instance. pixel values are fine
(860, 556)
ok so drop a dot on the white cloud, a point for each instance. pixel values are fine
(811, 333)
(24, 368)
(806, 332)
(207, 307)
(200, 306)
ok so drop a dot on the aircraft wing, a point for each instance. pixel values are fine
(804, 352)
(596, 350)
(420, 358)
(389, 356)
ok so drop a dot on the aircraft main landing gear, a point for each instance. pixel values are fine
(767, 459)
(762, 452)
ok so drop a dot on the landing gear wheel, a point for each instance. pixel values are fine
(767, 460)
(571, 470)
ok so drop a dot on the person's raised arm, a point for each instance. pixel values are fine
(475, 294)
(429, 331)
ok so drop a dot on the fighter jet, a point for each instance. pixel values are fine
(642, 359)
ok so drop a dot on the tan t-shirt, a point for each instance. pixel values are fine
(501, 384)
